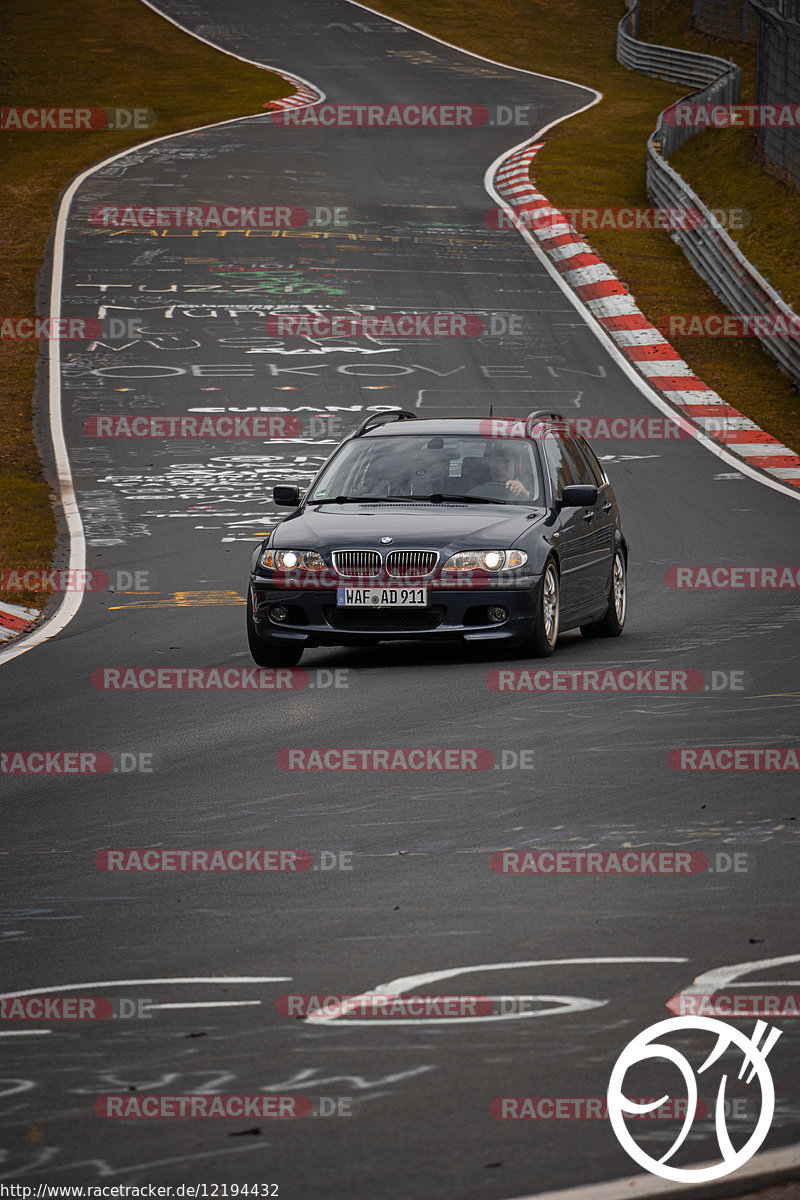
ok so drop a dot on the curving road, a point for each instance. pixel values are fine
(414, 894)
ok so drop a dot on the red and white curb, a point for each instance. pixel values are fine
(303, 96)
(14, 619)
(646, 349)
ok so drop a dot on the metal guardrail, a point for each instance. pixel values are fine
(666, 62)
(710, 250)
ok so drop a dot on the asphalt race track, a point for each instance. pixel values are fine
(402, 885)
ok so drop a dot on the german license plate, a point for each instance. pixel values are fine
(377, 597)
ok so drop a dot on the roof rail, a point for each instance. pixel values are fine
(397, 414)
(543, 417)
(542, 414)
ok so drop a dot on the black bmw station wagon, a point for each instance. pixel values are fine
(460, 529)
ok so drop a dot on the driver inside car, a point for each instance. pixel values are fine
(507, 467)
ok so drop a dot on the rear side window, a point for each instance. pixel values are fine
(567, 465)
(594, 466)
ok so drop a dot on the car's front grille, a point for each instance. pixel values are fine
(357, 562)
(385, 620)
(411, 562)
(400, 564)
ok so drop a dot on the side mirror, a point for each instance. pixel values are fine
(578, 495)
(286, 495)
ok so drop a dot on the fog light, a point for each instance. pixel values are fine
(496, 615)
(278, 612)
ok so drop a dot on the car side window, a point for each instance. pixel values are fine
(595, 469)
(578, 464)
(560, 469)
(567, 464)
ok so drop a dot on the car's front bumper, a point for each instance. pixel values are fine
(451, 614)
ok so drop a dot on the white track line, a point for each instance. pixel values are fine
(114, 983)
(24, 1032)
(290, 76)
(207, 1004)
(721, 977)
(410, 983)
(71, 601)
(632, 1187)
(482, 58)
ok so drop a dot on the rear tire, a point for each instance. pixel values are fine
(612, 624)
(267, 654)
(545, 630)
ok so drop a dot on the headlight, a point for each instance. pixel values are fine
(486, 560)
(292, 560)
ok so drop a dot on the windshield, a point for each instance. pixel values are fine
(410, 466)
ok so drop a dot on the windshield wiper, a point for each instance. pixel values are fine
(438, 497)
(359, 499)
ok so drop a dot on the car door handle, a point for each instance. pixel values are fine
(607, 507)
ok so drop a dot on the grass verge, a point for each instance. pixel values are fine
(98, 54)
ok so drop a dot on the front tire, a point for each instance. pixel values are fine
(267, 654)
(545, 630)
(612, 624)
